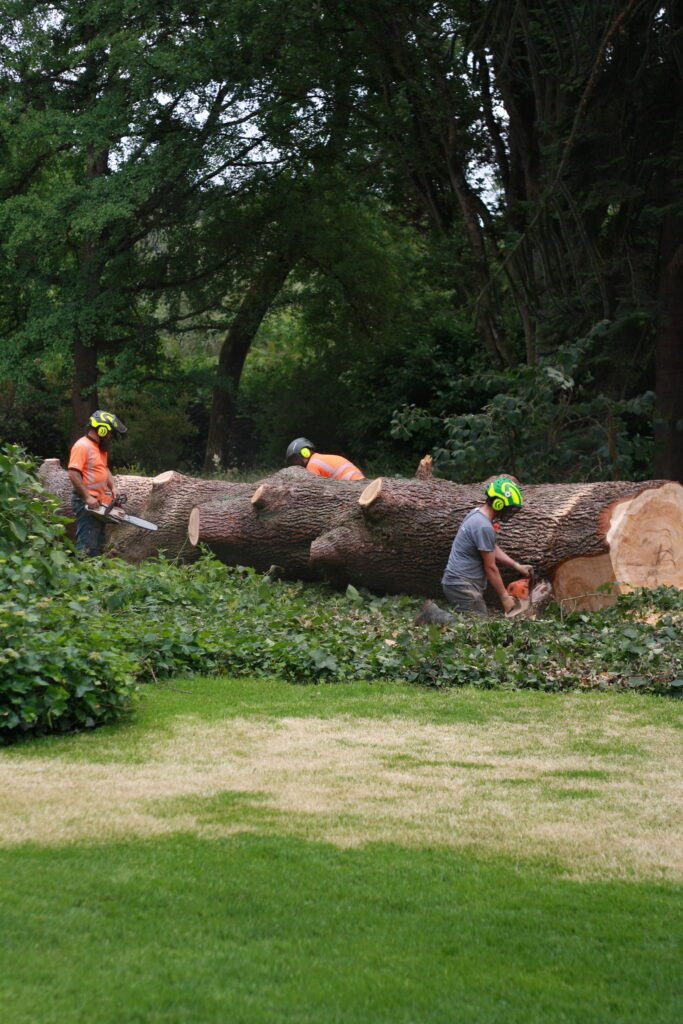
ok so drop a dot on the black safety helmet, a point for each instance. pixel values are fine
(104, 422)
(301, 446)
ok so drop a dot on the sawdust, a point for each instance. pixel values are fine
(353, 781)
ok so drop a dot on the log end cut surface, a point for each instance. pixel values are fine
(646, 539)
(193, 527)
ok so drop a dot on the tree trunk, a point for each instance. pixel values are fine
(84, 388)
(277, 523)
(256, 303)
(669, 353)
(394, 535)
(84, 398)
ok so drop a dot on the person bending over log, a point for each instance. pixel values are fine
(302, 452)
(475, 554)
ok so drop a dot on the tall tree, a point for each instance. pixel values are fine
(549, 136)
(118, 125)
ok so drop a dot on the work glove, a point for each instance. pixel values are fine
(526, 570)
(508, 602)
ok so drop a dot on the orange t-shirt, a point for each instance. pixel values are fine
(92, 463)
(334, 466)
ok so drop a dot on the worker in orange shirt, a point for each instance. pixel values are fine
(91, 479)
(302, 452)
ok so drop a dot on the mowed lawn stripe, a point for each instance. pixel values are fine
(595, 785)
(278, 929)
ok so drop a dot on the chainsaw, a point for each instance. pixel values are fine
(114, 513)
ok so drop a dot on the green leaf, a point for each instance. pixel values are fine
(19, 531)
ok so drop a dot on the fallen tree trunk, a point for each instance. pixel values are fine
(277, 523)
(166, 500)
(394, 535)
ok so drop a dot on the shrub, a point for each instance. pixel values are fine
(58, 668)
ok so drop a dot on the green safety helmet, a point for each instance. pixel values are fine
(301, 446)
(104, 422)
(503, 493)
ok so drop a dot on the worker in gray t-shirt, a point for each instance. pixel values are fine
(475, 553)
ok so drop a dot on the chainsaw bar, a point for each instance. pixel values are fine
(117, 515)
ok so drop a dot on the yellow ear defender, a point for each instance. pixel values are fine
(103, 431)
(498, 504)
(305, 453)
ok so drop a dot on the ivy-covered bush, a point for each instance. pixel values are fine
(58, 667)
(33, 551)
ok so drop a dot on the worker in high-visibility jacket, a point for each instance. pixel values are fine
(91, 479)
(302, 452)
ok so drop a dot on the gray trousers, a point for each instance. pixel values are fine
(466, 598)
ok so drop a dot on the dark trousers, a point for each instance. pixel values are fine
(466, 598)
(89, 530)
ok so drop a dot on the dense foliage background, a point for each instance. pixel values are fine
(396, 227)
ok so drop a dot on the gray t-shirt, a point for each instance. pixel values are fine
(476, 534)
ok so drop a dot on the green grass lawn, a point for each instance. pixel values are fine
(200, 863)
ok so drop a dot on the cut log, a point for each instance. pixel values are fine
(396, 536)
(277, 522)
(643, 538)
(166, 500)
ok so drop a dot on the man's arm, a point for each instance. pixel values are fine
(80, 488)
(495, 579)
(504, 559)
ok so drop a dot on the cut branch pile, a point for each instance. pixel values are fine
(394, 535)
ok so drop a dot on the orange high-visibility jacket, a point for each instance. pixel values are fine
(334, 466)
(92, 463)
